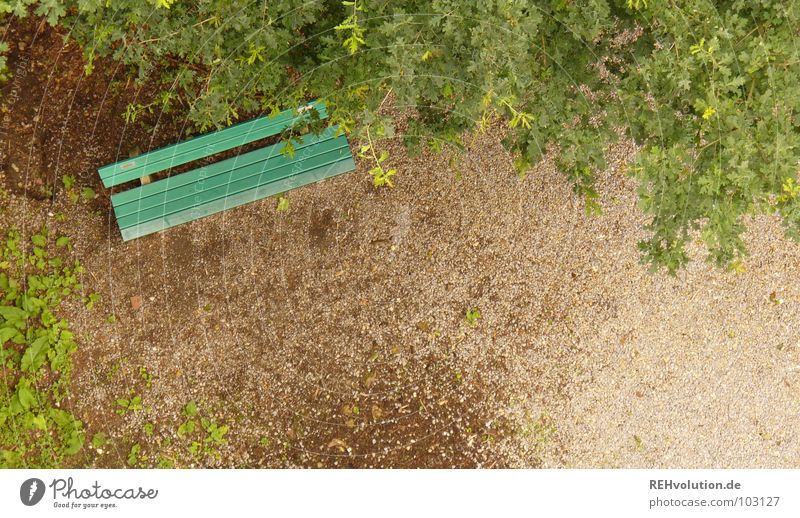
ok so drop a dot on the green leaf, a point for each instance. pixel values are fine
(40, 422)
(35, 355)
(74, 441)
(68, 181)
(92, 299)
(6, 334)
(472, 316)
(540, 72)
(190, 410)
(133, 455)
(186, 428)
(288, 149)
(283, 204)
(27, 398)
(88, 194)
(99, 440)
(47, 346)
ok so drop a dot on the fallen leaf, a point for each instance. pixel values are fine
(136, 302)
(338, 443)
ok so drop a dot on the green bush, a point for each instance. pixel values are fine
(707, 88)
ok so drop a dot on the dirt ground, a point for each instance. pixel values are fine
(334, 334)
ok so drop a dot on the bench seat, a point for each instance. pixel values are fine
(204, 146)
(229, 183)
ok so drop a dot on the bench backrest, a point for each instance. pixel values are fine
(205, 145)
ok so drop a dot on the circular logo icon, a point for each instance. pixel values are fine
(31, 491)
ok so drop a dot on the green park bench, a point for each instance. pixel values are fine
(247, 177)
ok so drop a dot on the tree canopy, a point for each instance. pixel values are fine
(706, 88)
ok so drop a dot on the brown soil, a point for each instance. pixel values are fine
(57, 121)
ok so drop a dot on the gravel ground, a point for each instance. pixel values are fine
(702, 370)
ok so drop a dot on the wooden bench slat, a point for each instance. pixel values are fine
(203, 146)
(260, 172)
(256, 176)
(241, 198)
(221, 167)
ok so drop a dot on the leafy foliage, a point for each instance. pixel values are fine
(706, 88)
(205, 438)
(132, 404)
(3, 62)
(35, 351)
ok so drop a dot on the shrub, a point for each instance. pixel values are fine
(707, 88)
